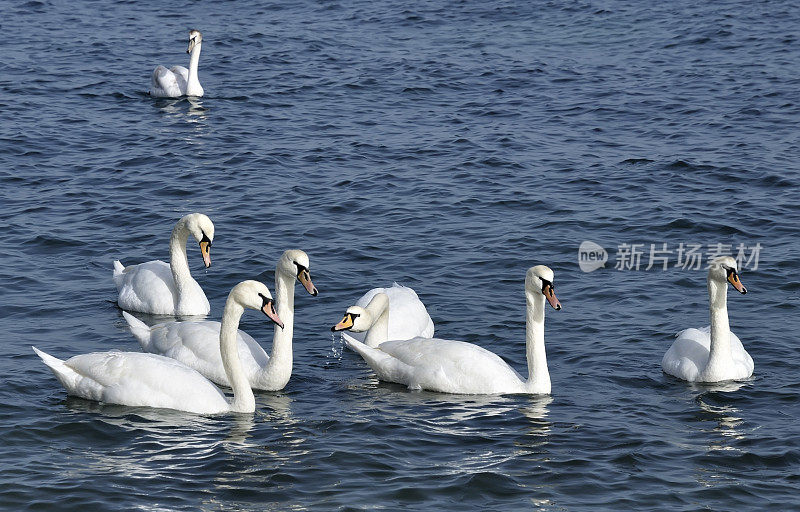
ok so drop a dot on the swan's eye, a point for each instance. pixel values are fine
(353, 316)
(205, 238)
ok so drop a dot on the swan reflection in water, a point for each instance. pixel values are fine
(189, 109)
(725, 417)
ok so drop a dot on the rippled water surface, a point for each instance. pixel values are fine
(447, 146)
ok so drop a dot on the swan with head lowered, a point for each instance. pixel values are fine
(150, 380)
(194, 342)
(714, 353)
(168, 289)
(456, 366)
(408, 317)
(179, 81)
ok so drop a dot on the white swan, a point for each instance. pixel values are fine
(408, 317)
(157, 288)
(149, 380)
(194, 343)
(714, 353)
(179, 81)
(457, 366)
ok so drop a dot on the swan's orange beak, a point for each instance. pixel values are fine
(305, 277)
(733, 278)
(550, 295)
(346, 323)
(205, 250)
(269, 310)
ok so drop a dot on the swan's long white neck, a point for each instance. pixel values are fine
(243, 399)
(276, 373)
(193, 87)
(178, 263)
(378, 332)
(538, 374)
(720, 351)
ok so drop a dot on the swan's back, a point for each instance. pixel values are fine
(408, 317)
(454, 366)
(165, 83)
(148, 288)
(196, 344)
(137, 379)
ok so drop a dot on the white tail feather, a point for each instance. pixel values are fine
(139, 329)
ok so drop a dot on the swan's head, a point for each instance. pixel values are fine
(356, 319)
(202, 229)
(539, 279)
(195, 38)
(724, 269)
(256, 295)
(294, 262)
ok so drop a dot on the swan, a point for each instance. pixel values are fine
(714, 353)
(408, 317)
(179, 81)
(157, 288)
(194, 343)
(451, 366)
(149, 380)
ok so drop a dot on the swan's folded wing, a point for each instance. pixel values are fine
(132, 378)
(688, 354)
(164, 83)
(408, 317)
(181, 76)
(454, 366)
(196, 344)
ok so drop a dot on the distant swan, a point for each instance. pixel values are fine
(408, 317)
(149, 380)
(195, 344)
(179, 81)
(456, 366)
(161, 289)
(714, 353)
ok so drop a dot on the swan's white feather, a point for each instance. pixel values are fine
(165, 83)
(408, 317)
(446, 366)
(181, 76)
(136, 379)
(196, 344)
(689, 353)
(150, 288)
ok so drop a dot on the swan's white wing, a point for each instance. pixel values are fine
(164, 84)
(689, 353)
(181, 76)
(740, 355)
(196, 344)
(454, 366)
(136, 379)
(408, 317)
(150, 288)
(147, 288)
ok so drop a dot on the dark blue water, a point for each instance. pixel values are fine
(447, 146)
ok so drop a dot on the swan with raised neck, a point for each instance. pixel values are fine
(713, 354)
(194, 343)
(150, 380)
(179, 81)
(168, 289)
(456, 366)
